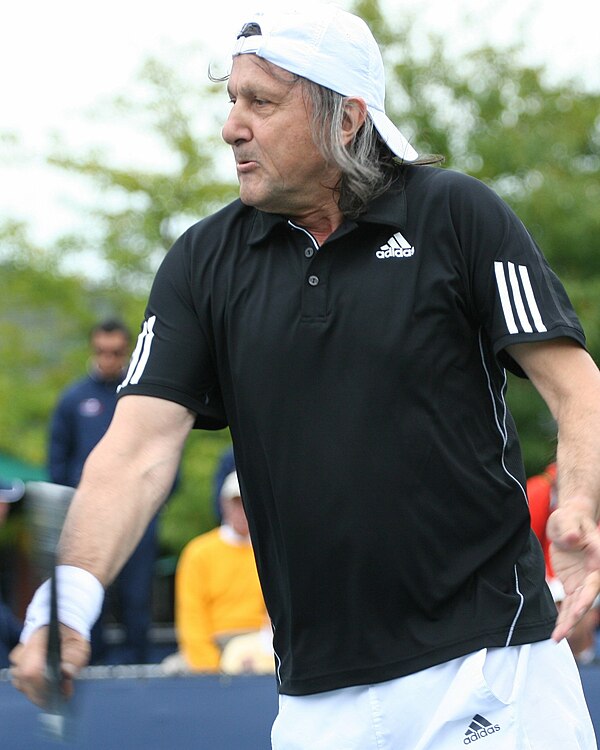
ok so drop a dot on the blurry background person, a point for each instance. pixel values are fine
(250, 653)
(86, 407)
(225, 467)
(82, 416)
(10, 626)
(217, 593)
(541, 492)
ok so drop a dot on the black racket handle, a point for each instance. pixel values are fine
(54, 718)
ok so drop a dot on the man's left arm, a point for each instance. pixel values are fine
(569, 382)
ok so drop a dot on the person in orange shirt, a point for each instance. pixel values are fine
(541, 493)
(217, 592)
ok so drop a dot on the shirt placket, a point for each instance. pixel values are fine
(315, 277)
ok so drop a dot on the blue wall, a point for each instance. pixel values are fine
(203, 713)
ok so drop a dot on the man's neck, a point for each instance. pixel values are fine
(320, 225)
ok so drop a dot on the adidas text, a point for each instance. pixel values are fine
(396, 247)
(481, 734)
(398, 252)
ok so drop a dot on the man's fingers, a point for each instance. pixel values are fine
(565, 623)
(28, 670)
(575, 605)
(14, 654)
(75, 652)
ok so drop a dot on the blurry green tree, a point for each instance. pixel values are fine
(144, 210)
(534, 141)
(46, 311)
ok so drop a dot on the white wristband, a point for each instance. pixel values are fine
(80, 597)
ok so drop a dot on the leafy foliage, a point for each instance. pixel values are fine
(46, 314)
(144, 210)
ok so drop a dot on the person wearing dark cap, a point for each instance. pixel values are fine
(10, 625)
(350, 318)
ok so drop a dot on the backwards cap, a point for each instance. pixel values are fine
(331, 47)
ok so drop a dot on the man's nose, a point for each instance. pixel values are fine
(235, 128)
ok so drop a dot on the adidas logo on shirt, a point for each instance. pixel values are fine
(396, 247)
(479, 729)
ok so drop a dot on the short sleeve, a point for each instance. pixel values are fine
(515, 294)
(174, 357)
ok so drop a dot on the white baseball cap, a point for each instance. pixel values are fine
(230, 488)
(331, 47)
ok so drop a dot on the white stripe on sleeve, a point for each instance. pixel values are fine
(535, 312)
(145, 354)
(514, 282)
(140, 355)
(504, 297)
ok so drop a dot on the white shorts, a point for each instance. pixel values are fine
(516, 698)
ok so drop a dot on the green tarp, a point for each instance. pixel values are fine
(14, 468)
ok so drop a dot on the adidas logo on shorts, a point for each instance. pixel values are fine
(479, 729)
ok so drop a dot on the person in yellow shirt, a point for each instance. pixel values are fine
(217, 593)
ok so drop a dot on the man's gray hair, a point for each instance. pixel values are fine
(367, 165)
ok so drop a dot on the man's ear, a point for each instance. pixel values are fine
(355, 114)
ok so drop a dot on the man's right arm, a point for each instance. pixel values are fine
(125, 480)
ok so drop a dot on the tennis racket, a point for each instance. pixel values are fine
(47, 506)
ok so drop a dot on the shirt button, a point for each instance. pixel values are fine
(313, 280)
(309, 252)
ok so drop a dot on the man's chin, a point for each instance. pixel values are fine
(247, 201)
(253, 199)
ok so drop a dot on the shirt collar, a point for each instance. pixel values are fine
(389, 209)
(263, 225)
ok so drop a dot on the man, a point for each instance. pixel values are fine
(217, 593)
(350, 319)
(82, 416)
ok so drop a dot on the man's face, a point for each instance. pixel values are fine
(110, 352)
(279, 167)
(234, 515)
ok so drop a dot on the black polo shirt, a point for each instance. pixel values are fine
(364, 383)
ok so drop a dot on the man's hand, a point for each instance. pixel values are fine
(575, 554)
(28, 663)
